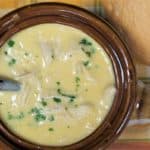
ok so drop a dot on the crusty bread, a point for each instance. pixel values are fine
(132, 18)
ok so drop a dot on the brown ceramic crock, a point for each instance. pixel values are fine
(107, 37)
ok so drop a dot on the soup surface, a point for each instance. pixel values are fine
(67, 84)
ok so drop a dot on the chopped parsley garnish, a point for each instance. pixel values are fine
(53, 57)
(57, 99)
(1, 103)
(11, 43)
(77, 80)
(87, 47)
(26, 54)
(35, 110)
(51, 118)
(87, 63)
(51, 129)
(65, 95)
(66, 108)
(58, 83)
(76, 106)
(10, 116)
(68, 126)
(71, 100)
(5, 52)
(12, 62)
(71, 97)
(84, 41)
(88, 51)
(38, 115)
(18, 117)
(86, 90)
(44, 103)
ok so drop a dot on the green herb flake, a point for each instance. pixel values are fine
(58, 83)
(78, 85)
(77, 79)
(44, 103)
(12, 62)
(26, 54)
(5, 52)
(1, 103)
(87, 64)
(65, 95)
(72, 100)
(20, 116)
(76, 106)
(86, 90)
(10, 116)
(11, 43)
(53, 57)
(88, 52)
(51, 118)
(68, 127)
(84, 41)
(39, 117)
(17, 117)
(51, 129)
(87, 47)
(66, 108)
(57, 100)
(35, 110)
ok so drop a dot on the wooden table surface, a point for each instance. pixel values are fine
(136, 136)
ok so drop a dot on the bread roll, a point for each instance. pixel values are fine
(131, 17)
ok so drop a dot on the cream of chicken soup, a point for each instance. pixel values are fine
(67, 84)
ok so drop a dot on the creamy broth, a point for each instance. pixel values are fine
(68, 84)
